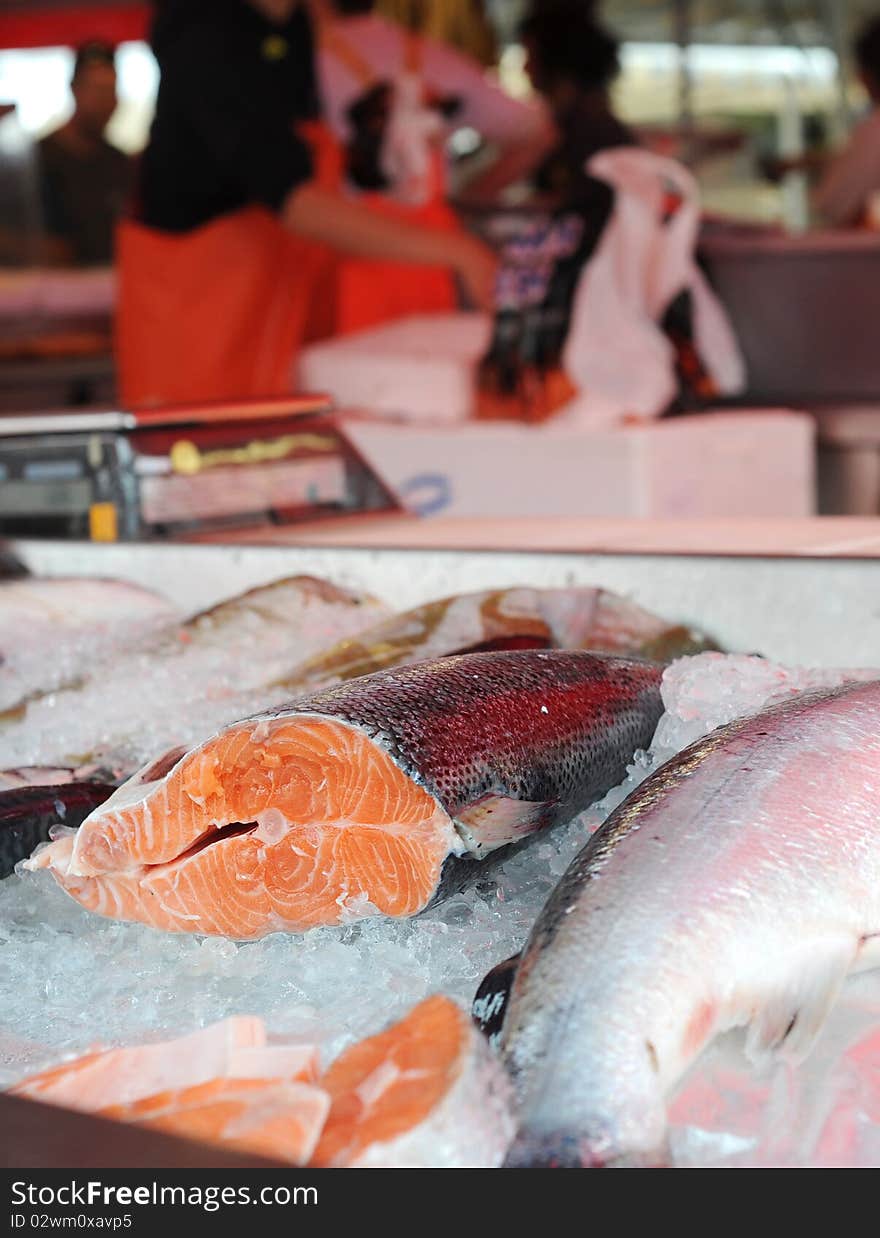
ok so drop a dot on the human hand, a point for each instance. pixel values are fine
(477, 266)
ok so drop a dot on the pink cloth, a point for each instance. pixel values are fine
(496, 116)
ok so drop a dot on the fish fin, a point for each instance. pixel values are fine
(490, 1000)
(791, 1020)
(496, 820)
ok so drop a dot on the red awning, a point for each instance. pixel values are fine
(67, 25)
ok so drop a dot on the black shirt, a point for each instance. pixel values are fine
(83, 195)
(233, 86)
(585, 127)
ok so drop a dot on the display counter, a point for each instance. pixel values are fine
(802, 593)
(817, 537)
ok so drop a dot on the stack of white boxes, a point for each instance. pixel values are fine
(414, 380)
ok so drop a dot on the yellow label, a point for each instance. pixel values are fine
(186, 458)
(103, 524)
(274, 47)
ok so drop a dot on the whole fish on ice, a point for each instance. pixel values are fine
(299, 636)
(579, 617)
(52, 630)
(737, 886)
(347, 803)
(183, 683)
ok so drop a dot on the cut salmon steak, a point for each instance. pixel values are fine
(426, 1093)
(234, 1049)
(222, 1085)
(348, 803)
(268, 1117)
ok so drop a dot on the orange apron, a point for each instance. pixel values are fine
(220, 312)
(368, 291)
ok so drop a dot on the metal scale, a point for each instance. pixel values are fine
(120, 476)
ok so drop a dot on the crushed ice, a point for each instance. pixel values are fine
(116, 714)
(70, 979)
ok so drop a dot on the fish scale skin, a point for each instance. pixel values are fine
(359, 794)
(28, 813)
(734, 887)
(464, 727)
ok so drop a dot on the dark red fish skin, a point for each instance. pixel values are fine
(28, 813)
(547, 727)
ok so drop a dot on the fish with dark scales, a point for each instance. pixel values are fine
(736, 887)
(11, 567)
(352, 802)
(27, 814)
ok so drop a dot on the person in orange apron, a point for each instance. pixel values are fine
(367, 292)
(228, 265)
(394, 97)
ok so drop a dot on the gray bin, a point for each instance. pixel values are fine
(806, 311)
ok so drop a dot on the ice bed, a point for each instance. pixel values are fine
(795, 610)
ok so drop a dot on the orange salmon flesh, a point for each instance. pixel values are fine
(266, 1117)
(278, 824)
(384, 1086)
(426, 1089)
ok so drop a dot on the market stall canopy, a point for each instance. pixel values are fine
(59, 23)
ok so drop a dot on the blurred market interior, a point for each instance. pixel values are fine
(685, 334)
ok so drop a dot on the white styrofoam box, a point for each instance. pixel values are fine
(750, 463)
(420, 367)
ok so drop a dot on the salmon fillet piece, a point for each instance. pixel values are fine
(348, 804)
(121, 1077)
(268, 1117)
(425, 1092)
(334, 826)
(428, 1091)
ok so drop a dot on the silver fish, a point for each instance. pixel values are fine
(736, 887)
(185, 681)
(53, 629)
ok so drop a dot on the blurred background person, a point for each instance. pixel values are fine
(85, 181)
(844, 195)
(228, 267)
(571, 62)
(360, 50)
(393, 97)
(462, 24)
